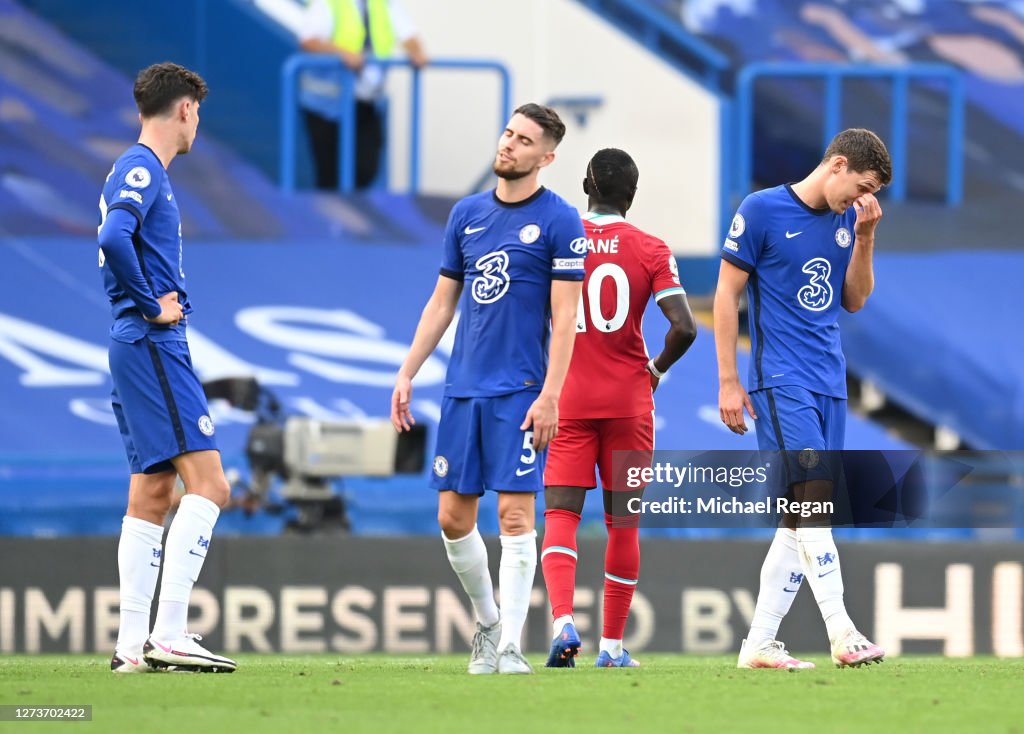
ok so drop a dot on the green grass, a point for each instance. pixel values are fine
(670, 693)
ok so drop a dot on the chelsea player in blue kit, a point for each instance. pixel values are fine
(157, 398)
(801, 251)
(513, 260)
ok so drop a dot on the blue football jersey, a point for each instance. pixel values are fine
(139, 184)
(797, 259)
(507, 256)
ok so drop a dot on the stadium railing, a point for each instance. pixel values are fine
(298, 63)
(833, 76)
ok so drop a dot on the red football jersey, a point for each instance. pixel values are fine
(625, 266)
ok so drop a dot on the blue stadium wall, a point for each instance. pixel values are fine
(232, 45)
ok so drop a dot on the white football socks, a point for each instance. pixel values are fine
(138, 565)
(515, 581)
(820, 560)
(468, 558)
(188, 541)
(781, 576)
(612, 647)
(558, 624)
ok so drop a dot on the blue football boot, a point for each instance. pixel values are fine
(605, 660)
(564, 648)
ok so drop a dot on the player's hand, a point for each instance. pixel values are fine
(869, 211)
(654, 382)
(732, 399)
(543, 417)
(352, 59)
(170, 310)
(401, 417)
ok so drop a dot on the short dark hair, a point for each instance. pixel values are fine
(612, 177)
(159, 86)
(546, 117)
(864, 152)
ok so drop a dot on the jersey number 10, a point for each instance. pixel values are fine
(590, 300)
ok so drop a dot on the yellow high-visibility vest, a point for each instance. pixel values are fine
(350, 31)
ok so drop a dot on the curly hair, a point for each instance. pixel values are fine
(159, 86)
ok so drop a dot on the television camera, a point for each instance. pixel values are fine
(310, 456)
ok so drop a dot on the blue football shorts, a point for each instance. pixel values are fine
(808, 429)
(159, 403)
(480, 446)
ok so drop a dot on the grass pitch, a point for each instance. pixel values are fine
(380, 694)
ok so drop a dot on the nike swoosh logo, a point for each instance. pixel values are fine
(827, 572)
(169, 196)
(154, 565)
(791, 235)
(474, 230)
(791, 591)
(196, 554)
(521, 473)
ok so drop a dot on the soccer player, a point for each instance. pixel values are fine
(801, 251)
(607, 403)
(157, 399)
(519, 249)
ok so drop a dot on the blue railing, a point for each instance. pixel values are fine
(298, 63)
(667, 38)
(833, 76)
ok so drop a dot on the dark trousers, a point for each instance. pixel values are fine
(323, 138)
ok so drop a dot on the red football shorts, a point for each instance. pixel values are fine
(585, 443)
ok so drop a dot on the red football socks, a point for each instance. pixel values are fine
(621, 572)
(558, 559)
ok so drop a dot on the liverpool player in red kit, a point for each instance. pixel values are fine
(607, 402)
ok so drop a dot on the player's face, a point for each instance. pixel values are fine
(844, 186)
(190, 126)
(522, 149)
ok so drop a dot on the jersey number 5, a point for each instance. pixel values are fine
(590, 300)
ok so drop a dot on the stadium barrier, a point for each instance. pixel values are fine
(297, 63)
(350, 595)
(833, 76)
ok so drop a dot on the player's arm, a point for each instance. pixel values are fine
(436, 318)
(115, 239)
(860, 275)
(671, 298)
(732, 398)
(543, 414)
(682, 331)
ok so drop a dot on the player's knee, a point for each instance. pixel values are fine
(150, 495)
(453, 524)
(514, 520)
(221, 492)
(570, 499)
(152, 508)
(217, 490)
